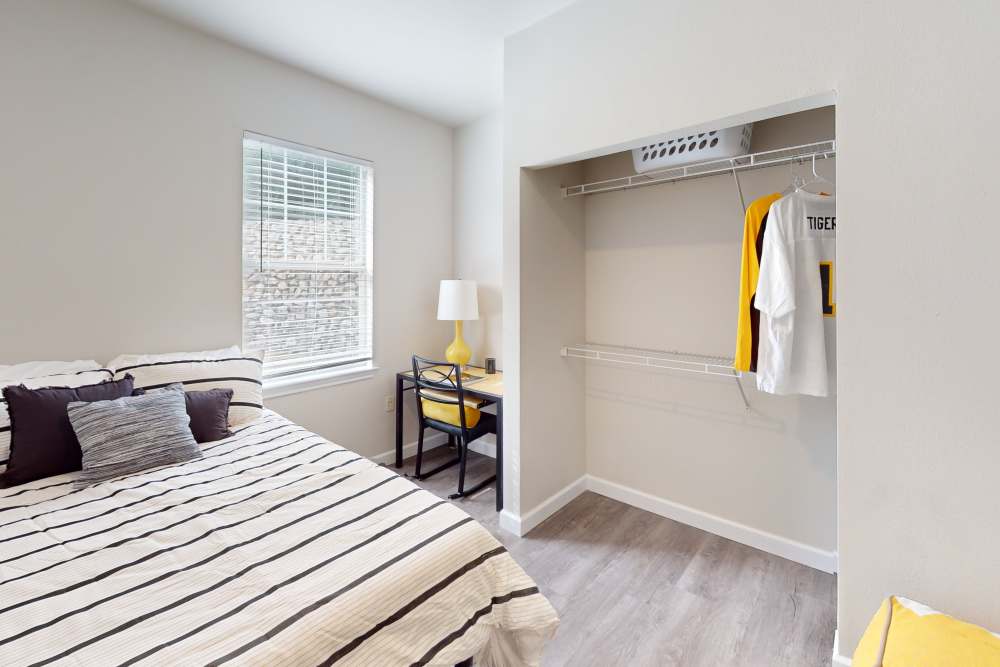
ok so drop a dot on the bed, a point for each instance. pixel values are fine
(276, 548)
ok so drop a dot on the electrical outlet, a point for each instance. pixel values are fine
(390, 403)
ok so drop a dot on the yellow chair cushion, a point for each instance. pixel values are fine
(448, 414)
(919, 635)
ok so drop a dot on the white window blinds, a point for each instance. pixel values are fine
(307, 256)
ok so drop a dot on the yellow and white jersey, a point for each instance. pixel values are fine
(797, 298)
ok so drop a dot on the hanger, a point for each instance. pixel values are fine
(816, 180)
(797, 181)
(796, 184)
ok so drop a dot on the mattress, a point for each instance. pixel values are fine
(277, 548)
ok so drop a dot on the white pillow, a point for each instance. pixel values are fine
(123, 360)
(18, 373)
(227, 368)
(36, 374)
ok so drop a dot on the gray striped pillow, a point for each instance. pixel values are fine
(128, 435)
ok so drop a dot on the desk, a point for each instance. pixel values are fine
(478, 394)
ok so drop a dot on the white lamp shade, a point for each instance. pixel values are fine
(457, 300)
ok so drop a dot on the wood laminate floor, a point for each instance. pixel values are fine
(633, 588)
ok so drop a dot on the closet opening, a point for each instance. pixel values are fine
(643, 257)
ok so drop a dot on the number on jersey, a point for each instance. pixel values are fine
(826, 279)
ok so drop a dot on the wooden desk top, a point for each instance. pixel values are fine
(491, 386)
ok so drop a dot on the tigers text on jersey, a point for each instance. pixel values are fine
(797, 298)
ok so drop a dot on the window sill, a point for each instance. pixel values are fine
(302, 382)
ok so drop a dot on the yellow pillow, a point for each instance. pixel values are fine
(448, 414)
(915, 634)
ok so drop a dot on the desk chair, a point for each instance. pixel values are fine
(441, 406)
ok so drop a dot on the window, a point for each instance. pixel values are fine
(307, 256)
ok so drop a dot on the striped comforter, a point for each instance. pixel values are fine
(277, 548)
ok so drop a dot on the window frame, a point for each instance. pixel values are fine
(315, 378)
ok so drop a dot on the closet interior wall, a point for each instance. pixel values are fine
(662, 266)
(551, 250)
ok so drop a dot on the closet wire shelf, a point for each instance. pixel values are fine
(820, 150)
(672, 360)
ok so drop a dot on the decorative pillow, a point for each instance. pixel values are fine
(43, 443)
(208, 411)
(127, 435)
(240, 372)
(904, 633)
(36, 374)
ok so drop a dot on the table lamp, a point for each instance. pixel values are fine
(457, 301)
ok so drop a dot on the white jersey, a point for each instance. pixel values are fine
(796, 297)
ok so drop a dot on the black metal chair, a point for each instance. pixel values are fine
(439, 391)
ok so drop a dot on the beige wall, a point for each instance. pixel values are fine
(552, 250)
(662, 269)
(917, 443)
(121, 192)
(478, 235)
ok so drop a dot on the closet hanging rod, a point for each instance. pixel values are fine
(820, 150)
(673, 360)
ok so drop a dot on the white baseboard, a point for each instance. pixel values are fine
(838, 660)
(510, 523)
(808, 555)
(552, 504)
(738, 532)
(481, 446)
(523, 524)
(819, 559)
(430, 442)
(485, 445)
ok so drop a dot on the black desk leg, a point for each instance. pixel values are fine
(399, 421)
(499, 493)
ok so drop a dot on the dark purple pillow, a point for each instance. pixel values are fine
(42, 441)
(208, 411)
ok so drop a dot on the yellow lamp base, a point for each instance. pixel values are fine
(458, 352)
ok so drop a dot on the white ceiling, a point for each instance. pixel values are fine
(440, 58)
